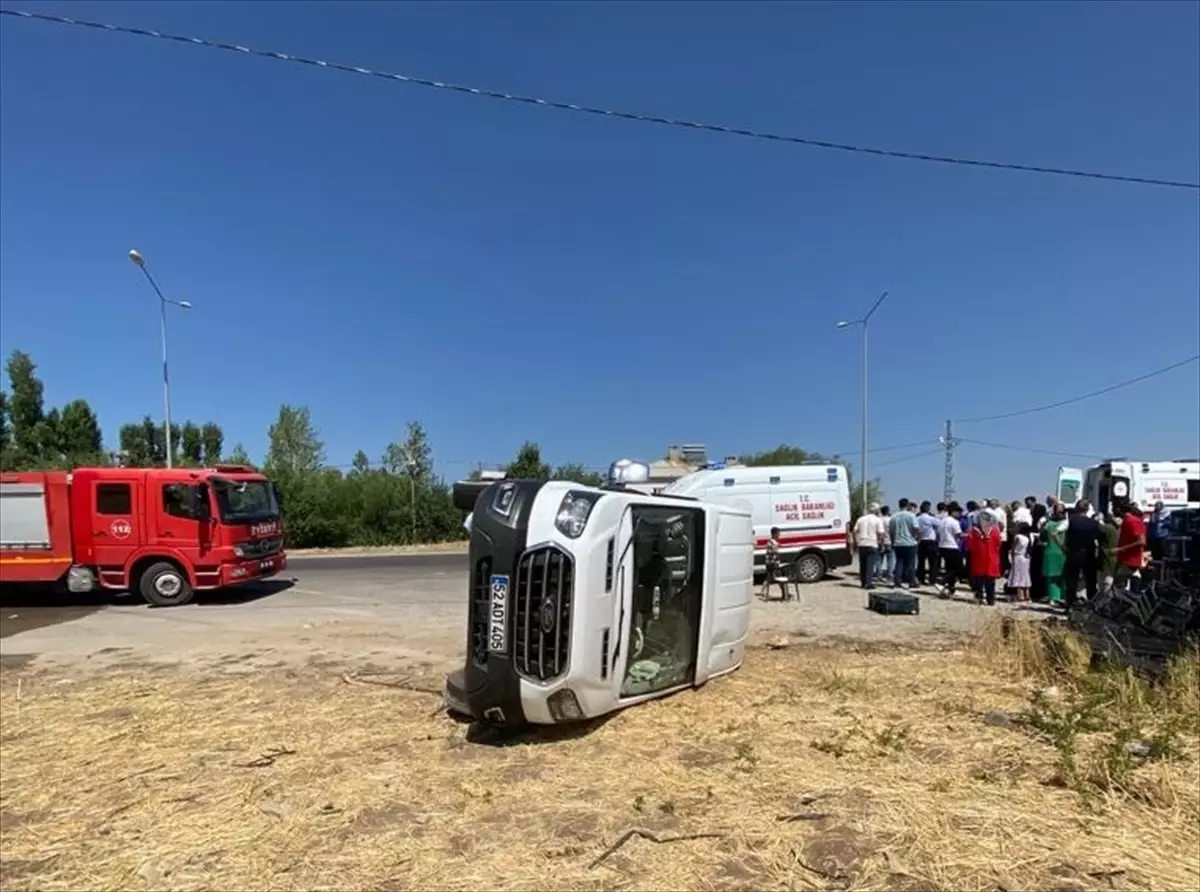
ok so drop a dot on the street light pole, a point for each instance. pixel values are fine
(140, 263)
(865, 323)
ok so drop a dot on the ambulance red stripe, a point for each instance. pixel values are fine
(795, 540)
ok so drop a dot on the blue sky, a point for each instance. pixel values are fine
(381, 252)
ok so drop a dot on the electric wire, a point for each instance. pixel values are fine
(1077, 399)
(896, 461)
(1032, 449)
(603, 112)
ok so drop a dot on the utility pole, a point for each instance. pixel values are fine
(140, 263)
(948, 443)
(864, 322)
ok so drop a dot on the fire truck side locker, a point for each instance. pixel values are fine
(35, 527)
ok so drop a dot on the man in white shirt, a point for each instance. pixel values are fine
(949, 533)
(1024, 513)
(869, 531)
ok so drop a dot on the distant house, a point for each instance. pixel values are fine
(679, 462)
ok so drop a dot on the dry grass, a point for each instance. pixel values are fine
(811, 769)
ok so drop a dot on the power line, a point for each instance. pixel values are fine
(604, 112)
(1016, 448)
(1086, 396)
(896, 461)
(875, 449)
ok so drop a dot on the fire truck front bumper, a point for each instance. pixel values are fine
(250, 570)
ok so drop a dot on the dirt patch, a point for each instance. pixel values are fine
(812, 767)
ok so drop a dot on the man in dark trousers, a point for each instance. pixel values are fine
(1083, 543)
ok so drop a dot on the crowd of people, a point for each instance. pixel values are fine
(1028, 550)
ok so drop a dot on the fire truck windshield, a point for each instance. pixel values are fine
(247, 501)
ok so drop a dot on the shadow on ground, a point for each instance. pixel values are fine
(25, 608)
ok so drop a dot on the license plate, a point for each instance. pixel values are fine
(498, 614)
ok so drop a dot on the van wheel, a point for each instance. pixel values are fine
(810, 568)
(164, 585)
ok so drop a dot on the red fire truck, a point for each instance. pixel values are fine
(164, 533)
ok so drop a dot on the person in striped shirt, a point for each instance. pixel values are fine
(774, 567)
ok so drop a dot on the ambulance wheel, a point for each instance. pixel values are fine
(165, 585)
(810, 567)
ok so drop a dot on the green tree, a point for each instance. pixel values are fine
(361, 464)
(413, 457)
(874, 494)
(576, 473)
(783, 454)
(238, 456)
(79, 438)
(50, 452)
(294, 445)
(26, 409)
(5, 432)
(191, 446)
(529, 464)
(212, 439)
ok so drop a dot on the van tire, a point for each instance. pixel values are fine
(809, 567)
(165, 585)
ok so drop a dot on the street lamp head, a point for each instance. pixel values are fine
(186, 304)
(843, 325)
(136, 258)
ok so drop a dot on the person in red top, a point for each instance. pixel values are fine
(983, 551)
(1131, 546)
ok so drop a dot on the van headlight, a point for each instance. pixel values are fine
(574, 511)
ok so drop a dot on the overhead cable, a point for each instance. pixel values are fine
(1080, 398)
(560, 105)
(1034, 449)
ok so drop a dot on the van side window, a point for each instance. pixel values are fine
(175, 500)
(774, 480)
(728, 481)
(113, 498)
(1193, 490)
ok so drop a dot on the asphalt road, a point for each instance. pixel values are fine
(404, 564)
(422, 594)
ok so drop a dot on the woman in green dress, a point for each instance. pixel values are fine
(1054, 558)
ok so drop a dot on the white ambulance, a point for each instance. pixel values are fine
(1113, 484)
(809, 503)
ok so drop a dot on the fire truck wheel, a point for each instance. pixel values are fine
(165, 585)
(810, 567)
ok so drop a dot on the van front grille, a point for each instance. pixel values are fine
(480, 607)
(542, 605)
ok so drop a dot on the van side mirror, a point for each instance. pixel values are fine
(278, 495)
(198, 504)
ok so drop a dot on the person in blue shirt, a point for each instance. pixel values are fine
(1158, 528)
(928, 556)
(904, 531)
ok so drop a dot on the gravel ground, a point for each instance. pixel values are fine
(402, 613)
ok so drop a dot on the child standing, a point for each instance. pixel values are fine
(1018, 572)
(774, 567)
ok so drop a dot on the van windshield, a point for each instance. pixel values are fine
(247, 501)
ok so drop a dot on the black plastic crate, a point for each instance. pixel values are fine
(889, 603)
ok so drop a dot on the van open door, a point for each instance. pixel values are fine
(1070, 482)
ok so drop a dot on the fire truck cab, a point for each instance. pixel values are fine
(164, 533)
